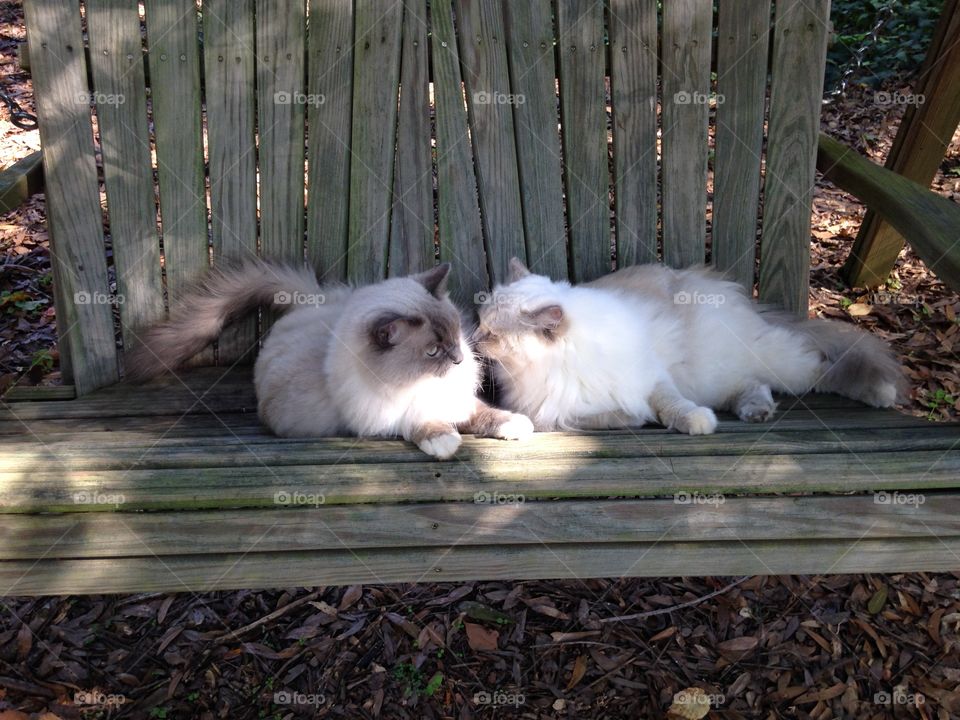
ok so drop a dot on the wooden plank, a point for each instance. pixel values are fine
(461, 563)
(21, 180)
(116, 57)
(281, 107)
(743, 43)
(580, 36)
(411, 226)
(633, 87)
(88, 353)
(228, 56)
(130, 450)
(490, 103)
(301, 526)
(376, 74)
(685, 58)
(330, 84)
(174, 59)
(533, 76)
(35, 393)
(461, 234)
(53, 488)
(926, 219)
(926, 129)
(796, 90)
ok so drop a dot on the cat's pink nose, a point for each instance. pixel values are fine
(455, 355)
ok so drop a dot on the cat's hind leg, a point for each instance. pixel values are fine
(675, 411)
(755, 404)
(493, 422)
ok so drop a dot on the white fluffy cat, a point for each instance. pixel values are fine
(388, 359)
(653, 344)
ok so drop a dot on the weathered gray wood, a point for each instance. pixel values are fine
(685, 58)
(796, 89)
(633, 87)
(743, 47)
(329, 90)
(459, 563)
(376, 72)
(174, 58)
(411, 226)
(52, 487)
(21, 180)
(281, 26)
(490, 100)
(88, 353)
(34, 393)
(228, 55)
(461, 234)
(533, 77)
(304, 526)
(580, 36)
(116, 56)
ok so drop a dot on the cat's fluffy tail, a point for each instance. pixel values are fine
(858, 365)
(222, 296)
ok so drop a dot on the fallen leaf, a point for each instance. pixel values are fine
(579, 670)
(689, 704)
(480, 638)
(738, 646)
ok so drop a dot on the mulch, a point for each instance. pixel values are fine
(847, 646)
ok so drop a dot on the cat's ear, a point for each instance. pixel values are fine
(547, 318)
(435, 279)
(391, 330)
(518, 270)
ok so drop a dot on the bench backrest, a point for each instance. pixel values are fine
(369, 136)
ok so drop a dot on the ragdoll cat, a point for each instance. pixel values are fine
(653, 344)
(382, 360)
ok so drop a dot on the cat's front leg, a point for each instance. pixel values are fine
(489, 421)
(675, 411)
(437, 439)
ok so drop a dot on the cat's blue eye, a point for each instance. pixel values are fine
(432, 351)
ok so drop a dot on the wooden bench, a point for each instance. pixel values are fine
(472, 130)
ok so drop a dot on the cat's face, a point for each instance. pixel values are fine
(415, 330)
(523, 319)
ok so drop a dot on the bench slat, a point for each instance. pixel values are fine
(533, 76)
(685, 56)
(796, 90)
(376, 72)
(743, 43)
(633, 85)
(269, 570)
(88, 353)
(116, 58)
(411, 227)
(483, 55)
(461, 233)
(582, 50)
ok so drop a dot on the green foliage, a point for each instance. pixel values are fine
(899, 48)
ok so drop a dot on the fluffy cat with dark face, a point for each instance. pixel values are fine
(386, 359)
(652, 344)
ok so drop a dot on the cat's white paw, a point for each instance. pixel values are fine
(699, 421)
(756, 411)
(518, 427)
(884, 395)
(442, 446)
